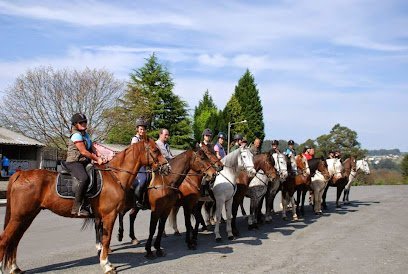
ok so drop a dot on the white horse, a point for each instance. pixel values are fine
(225, 186)
(361, 165)
(281, 166)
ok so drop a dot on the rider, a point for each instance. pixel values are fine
(307, 152)
(244, 142)
(331, 154)
(163, 145)
(80, 153)
(142, 177)
(275, 148)
(207, 136)
(337, 154)
(290, 151)
(237, 142)
(256, 147)
(218, 147)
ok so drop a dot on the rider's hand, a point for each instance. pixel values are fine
(100, 161)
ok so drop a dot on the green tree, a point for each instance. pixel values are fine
(205, 111)
(248, 97)
(340, 138)
(404, 166)
(233, 113)
(150, 95)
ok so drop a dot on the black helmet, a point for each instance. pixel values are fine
(237, 137)
(275, 142)
(291, 142)
(221, 135)
(78, 118)
(141, 122)
(207, 131)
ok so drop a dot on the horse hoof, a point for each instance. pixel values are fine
(250, 227)
(218, 240)
(231, 238)
(120, 238)
(295, 218)
(160, 253)
(235, 233)
(17, 271)
(135, 242)
(192, 246)
(177, 233)
(285, 218)
(338, 206)
(150, 255)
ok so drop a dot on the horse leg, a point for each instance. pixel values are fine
(284, 205)
(189, 228)
(302, 207)
(241, 205)
(228, 214)
(324, 205)
(10, 239)
(157, 243)
(235, 204)
(132, 218)
(152, 230)
(98, 235)
(218, 214)
(298, 198)
(108, 222)
(294, 215)
(199, 216)
(173, 220)
(339, 191)
(120, 229)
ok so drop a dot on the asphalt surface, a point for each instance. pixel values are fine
(368, 236)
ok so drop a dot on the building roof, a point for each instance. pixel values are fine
(9, 137)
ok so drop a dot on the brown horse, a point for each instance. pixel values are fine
(348, 165)
(31, 191)
(192, 179)
(189, 197)
(163, 192)
(263, 162)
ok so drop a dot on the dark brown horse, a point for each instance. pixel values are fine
(348, 165)
(319, 175)
(263, 162)
(163, 192)
(31, 191)
(192, 179)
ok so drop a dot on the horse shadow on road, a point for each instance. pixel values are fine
(128, 257)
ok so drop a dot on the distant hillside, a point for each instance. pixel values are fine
(381, 152)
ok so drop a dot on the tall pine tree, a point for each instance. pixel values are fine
(248, 98)
(233, 113)
(150, 95)
(205, 110)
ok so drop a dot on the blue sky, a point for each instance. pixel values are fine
(316, 63)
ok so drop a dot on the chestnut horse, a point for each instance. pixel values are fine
(31, 191)
(263, 162)
(349, 165)
(193, 179)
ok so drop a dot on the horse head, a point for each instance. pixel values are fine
(363, 166)
(215, 162)
(281, 166)
(302, 165)
(246, 160)
(201, 162)
(265, 162)
(154, 158)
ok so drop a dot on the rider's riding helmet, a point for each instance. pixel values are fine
(221, 135)
(207, 132)
(291, 142)
(237, 137)
(141, 122)
(275, 142)
(78, 118)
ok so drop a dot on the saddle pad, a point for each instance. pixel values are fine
(64, 186)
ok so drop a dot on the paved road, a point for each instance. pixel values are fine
(369, 236)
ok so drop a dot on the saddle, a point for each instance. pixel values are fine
(65, 181)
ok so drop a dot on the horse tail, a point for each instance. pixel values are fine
(12, 179)
(87, 222)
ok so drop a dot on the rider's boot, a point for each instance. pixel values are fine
(139, 193)
(79, 196)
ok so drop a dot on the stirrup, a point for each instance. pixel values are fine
(83, 213)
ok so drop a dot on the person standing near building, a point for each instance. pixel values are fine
(163, 144)
(5, 163)
(218, 147)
